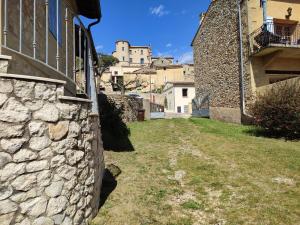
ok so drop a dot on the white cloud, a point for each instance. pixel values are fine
(186, 57)
(159, 11)
(169, 45)
(99, 47)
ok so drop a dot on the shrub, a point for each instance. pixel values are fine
(277, 111)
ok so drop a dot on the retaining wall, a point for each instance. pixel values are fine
(51, 155)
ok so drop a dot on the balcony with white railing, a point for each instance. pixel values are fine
(48, 44)
(273, 36)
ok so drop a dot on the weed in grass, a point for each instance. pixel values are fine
(191, 204)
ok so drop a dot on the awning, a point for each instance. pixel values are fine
(89, 8)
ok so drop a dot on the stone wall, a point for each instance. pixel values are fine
(125, 106)
(51, 155)
(216, 54)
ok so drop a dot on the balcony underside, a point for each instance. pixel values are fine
(281, 50)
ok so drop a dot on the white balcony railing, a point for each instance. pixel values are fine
(82, 45)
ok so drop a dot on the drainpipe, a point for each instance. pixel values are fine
(92, 82)
(265, 16)
(242, 79)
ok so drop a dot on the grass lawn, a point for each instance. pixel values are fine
(198, 171)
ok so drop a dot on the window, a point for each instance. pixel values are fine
(123, 49)
(53, 10)
(179, 109)
(142, 52)
(116, 72)
(142, 60)
(123, 58)
(130, 60)
(130, 52)
(184, 92)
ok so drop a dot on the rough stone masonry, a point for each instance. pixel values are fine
(51, 156)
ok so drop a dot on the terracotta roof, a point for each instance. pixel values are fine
(89, 8)
(144, 70)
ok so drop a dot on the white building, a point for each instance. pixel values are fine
(178, 97)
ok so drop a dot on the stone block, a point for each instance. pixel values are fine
(39, 143)
(34, 207)
(6, 86)
(12, 145)
(36, 166)
(25, 155)
(58, 131)
(14, 112)
(48, 113)
(56, 205)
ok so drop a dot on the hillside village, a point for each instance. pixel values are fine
(139, 137)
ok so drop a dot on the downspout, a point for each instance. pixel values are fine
(242, 78)
(265, 16)
(92, 81)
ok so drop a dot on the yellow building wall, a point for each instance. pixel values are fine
(275, 8)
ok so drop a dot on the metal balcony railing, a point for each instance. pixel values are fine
(76, 61)
(271, 34)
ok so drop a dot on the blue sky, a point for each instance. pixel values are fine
(167, 25)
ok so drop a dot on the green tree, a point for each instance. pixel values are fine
(106, 61)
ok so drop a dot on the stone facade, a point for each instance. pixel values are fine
(127, 107)
(51, 155)
(217, 60)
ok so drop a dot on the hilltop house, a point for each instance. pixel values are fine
(136, 63)
(51, 154)
(242, 48)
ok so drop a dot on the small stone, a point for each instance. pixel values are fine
(56, 205)
(24, 196)
(67, 221)
(6, 86)
(58, 131)
(39, 143)
(12, 170)
(23, 89)
(83, 113)
(3, 98)
(5, 192)
(14, 112)
(71, 210)
(7, 206)
(24, 182)
(54, 189)
(37, 166)
(25, 155)
(74, 130)
(58, 219)
(34, 207)
(74, 197)
(43, 221)
(48, 113)
(68, 111)
(44, 178)
(4, 159)
(69, 185)
(74, 156)
(57, 161)
(62, 146)
(34, 105)
(9, 130)
(66, 172)
(79, 216)
(7, 219)
(47, 153)
(36, 128)
(45, 91)
(24, 222)
(12, 145)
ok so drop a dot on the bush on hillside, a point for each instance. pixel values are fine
(278, 111)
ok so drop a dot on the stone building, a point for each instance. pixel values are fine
(51, 152)
(242, 48)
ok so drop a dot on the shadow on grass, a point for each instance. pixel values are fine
(115, 133)
(259, 132)
(109, 184)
